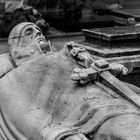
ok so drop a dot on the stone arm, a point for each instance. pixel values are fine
(83, 58)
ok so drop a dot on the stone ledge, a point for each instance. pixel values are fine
(114, 33)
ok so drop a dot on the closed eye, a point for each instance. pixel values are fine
(29, 31)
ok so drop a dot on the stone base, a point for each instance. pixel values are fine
(116, 44)
(113, 41)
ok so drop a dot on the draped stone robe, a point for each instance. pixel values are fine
(38, 100)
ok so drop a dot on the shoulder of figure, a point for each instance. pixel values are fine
(6, 64)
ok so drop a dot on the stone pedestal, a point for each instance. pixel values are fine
(116, 44)
(113, 41)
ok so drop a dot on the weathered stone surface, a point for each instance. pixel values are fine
(29, 35)
(39, 101)
(116, 44)
(114, 33)
(113, 41)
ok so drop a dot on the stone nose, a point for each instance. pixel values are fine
(37, 33)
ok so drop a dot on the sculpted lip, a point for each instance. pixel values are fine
(41, 40)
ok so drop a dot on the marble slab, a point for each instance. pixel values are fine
(114, 33)
(113, 41)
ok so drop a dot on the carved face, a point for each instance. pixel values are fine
(31, 34)
(27, 41)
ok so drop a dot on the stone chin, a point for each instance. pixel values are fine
(44, 46)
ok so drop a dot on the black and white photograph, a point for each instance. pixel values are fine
(69, 69)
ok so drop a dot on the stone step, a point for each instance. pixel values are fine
(113, 41)
(114, 33)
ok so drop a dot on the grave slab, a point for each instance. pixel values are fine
(116, 44)
(113, 41)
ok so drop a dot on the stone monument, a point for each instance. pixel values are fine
(119, 44)
(41, 97)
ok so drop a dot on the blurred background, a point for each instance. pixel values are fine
(66, 16)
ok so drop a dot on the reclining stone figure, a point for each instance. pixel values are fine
(40, 101)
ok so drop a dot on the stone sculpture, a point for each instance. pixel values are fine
(40, 101)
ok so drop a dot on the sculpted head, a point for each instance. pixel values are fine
(26, 41)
